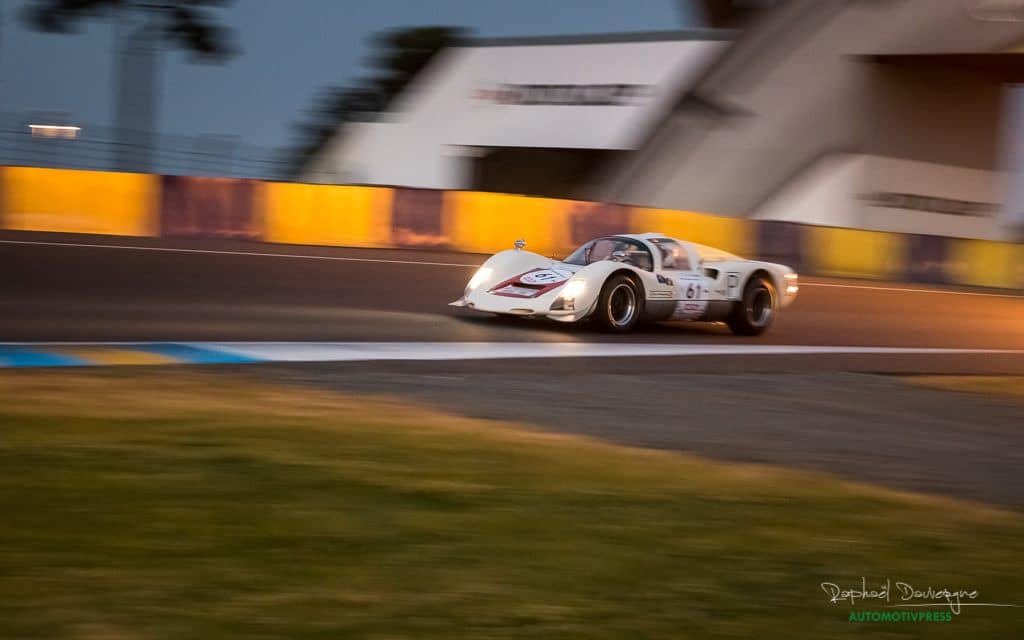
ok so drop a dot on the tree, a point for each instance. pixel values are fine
(403, 53)
(730, 14)
(144, 25)
(397, 57)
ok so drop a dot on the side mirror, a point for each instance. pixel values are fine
(519, 244)
(620, 256)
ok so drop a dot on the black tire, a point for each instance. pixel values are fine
(620, 304)
(755, 312)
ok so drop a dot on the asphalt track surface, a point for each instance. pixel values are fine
(870, 428)
(806, 411)
(94, 288)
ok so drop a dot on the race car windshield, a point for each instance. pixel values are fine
(602, 249)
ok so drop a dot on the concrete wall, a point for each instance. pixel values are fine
(802, 85)
(932, 113)
(886, 194)
(455, 106)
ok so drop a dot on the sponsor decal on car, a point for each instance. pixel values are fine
(545, 276)
(691, 298)
(513, 290)
(734, 284)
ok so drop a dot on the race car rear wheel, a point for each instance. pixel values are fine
(619, 306)
(755, 312)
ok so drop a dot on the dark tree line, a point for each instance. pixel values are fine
(144, 29)
(185, 24)
(397, 57)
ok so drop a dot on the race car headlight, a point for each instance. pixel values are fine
(573, 289)
(481, 274)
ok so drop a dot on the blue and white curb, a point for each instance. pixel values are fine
(73, 354)
(81, 354)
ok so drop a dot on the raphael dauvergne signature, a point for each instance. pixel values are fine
(900, 594)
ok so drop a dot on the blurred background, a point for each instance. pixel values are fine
(896, 116)
(892, 116)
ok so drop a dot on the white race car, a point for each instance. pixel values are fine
(621, 280)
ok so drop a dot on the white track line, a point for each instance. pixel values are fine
(262, 352)
(357, 351)
(803, 283)
(907, 290)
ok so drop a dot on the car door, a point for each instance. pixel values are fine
(682, 279)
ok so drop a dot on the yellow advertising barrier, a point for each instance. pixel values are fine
(71, 201)
(480, 222)
(735, 235)
(985, 263)
(327, 214)
(855, 253)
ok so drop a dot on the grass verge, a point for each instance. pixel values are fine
(162, 503)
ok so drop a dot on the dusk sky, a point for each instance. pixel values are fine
(290, 49)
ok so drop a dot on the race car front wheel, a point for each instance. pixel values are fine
(755, 312)
(618, 307)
